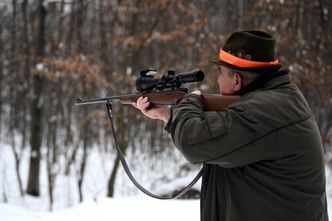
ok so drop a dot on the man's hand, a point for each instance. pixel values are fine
(155, 112)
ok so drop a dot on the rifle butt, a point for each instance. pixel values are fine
(217, 102)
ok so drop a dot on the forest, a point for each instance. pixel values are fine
(52, 51)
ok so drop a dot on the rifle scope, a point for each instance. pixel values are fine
(149, 82)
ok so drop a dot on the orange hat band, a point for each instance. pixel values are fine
(243, 63)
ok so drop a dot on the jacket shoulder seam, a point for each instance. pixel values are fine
(262, 136)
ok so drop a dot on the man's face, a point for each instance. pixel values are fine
(226, 81)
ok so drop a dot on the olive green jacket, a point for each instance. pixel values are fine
(263, 156)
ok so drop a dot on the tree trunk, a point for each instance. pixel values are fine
(27, 72)
(111, 181)
(82, 166)
(51, 161)
(85, 130)
(129, 62)
(13, 116)
(37, 110)
(81, 174)
(103, 44)
(1, 74)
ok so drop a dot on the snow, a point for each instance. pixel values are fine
(40, 66)
(128, 203)
(111, 209)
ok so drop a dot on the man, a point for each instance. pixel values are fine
(262, 156)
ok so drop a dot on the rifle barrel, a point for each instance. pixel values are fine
(80, 101)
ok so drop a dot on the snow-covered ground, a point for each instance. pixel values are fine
(110, 209)
(128, 203)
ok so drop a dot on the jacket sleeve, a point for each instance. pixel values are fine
(228, 138)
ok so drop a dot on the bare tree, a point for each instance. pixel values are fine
(37, 106)
(1, 69)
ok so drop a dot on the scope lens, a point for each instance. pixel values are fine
(193, 76)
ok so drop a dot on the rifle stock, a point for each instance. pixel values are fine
(213, 102)
(218, 102)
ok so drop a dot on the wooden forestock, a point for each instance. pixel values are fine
(213, 102)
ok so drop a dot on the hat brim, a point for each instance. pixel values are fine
(266, 69)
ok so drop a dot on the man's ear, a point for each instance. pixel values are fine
(237, 82)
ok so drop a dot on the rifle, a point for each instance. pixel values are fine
(165, 91)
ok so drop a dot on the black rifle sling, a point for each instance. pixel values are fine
(128, 172)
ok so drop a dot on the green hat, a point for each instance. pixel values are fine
(251, 51)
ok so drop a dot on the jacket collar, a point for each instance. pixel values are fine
(281, 78)
(266, 82)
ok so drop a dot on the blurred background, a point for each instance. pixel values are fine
(52, 51)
